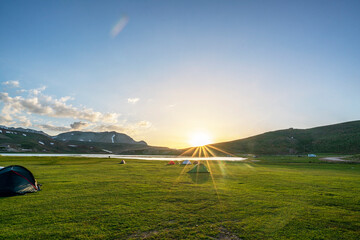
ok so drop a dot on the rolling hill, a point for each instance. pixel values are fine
(342, 138)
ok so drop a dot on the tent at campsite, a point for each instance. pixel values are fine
(196, 162)
(122, 162)
(186, 162)
(171, 163)
(199, 168)
(16, 180)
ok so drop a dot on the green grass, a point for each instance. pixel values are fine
(275, 198)
(355, 158)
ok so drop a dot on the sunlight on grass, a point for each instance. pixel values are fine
(278, 198)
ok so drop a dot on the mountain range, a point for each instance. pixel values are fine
(342, 138)
(29, 140)
(101, 137)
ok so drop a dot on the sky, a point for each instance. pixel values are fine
(161, 71)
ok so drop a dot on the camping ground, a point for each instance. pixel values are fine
(272, 198)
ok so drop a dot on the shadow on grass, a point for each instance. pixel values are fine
(199, 178)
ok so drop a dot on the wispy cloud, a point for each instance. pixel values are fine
(133, 100)
(35, 91)
(171, 106)
(109, 127)
(6, 120)
(119, 26)
(132, 128)
(14, 84)
(73, 126)
(24, 121)
(51, 127)
(144, 124)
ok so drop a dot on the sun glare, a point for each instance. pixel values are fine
(199, 139)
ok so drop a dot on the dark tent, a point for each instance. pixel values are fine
(122, 162)
(16, 180)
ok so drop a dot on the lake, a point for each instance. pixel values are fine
(141, 157)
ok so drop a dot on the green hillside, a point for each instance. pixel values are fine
(343, 138)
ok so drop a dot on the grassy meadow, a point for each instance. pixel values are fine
(272, 198)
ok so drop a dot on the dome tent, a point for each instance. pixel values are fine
(16, 180)
(199, 168)
(186, 162)
(123, 162)
(171, 163)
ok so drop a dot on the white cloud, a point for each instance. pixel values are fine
(24, 121)
(6, 120)
(133, 100)
(48, 106)
(15, 111)
(14, 84)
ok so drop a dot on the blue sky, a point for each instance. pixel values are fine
(229, 68)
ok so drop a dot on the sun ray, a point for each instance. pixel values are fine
(206, 154)
(195, 152)
(189, 150)
(212, 178)
(211, 152)
(222, 164)
(200, 150)
(181, 173)
(218, 149)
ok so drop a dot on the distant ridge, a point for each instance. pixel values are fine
(343, 138)
(20, 140)
(103, 137)
(25, 130)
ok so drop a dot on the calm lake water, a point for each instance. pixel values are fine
(141, 157)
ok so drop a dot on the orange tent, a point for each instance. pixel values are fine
(171, 163)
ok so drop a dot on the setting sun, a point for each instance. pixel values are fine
(199, 139)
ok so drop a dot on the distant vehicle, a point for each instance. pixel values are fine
(311, 155)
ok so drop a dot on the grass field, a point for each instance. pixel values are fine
(274, 198)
